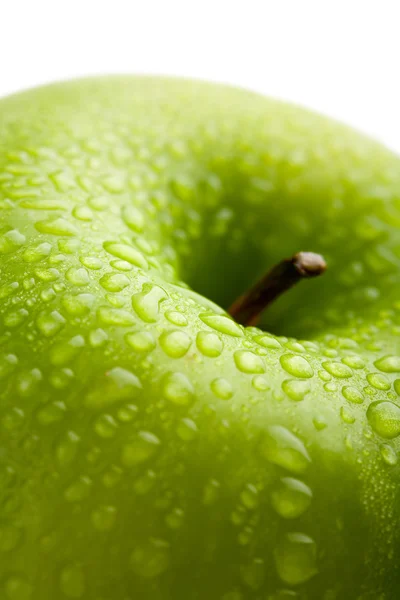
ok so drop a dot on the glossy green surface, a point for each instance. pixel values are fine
(151, 448)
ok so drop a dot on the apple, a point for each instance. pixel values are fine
(152, 447)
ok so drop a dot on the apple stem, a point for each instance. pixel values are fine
(248, 308)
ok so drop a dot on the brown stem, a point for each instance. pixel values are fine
(247, 309)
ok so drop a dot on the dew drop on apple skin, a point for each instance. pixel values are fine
(176, 318)
(187, 430)
(283, 448)
(253, 573)
(378, 381)
(103, 518)
(296, 365)
(249, 496)
(17, 587)
(222, 388)
(147, 302)
(284, 595)
(352, 394)
(114, 282)
(128, 253)
(389, 455)
(337, 369)
(67, 448)
(388, 364)
(114, 317)
(106, 426)
(291, 498)
(248, 362)
(141, 341)
(353, 361)
(295, 558)
(177, 388)
(36, 252)
(175, 343)
(384, 418)
(150, 559)
(51, 413)
(296, 389)
(222, 324)
(268, 342)
(91, 262)
(209, 344)
(79, 489)
(72, 581)
(140, 449)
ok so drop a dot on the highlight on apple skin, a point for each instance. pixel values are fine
(151, 447)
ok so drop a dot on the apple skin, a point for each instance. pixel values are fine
(149, 446)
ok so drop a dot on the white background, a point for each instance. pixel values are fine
(341, 57)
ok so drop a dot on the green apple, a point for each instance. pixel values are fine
(152, 448)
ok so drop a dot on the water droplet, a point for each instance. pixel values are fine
(319, 422)
(346, 415)
(140, 341)
(209, 344)
(97, 338)
(353, 361)
(121, 265)
(116, 317)
(133, 218)
(10, 536)
(253, 574)
(281, 447)
(144, 484)
(47, 275)
(295, 558)
(177, 388)
(91, 262)
(337, 369)
(222, 388)
(222, 324)
(127, 413)
(211, 492)
(384, 418)
(106, 426)
(37, 252)
(51, 413)
(187, 430)
(268, 342)
(11, 241)
(78, 490)
(125, 252)
(15, 318)
(8, 363)
(140, 449)
(8, 289)
(295, 389)
(378, 381)
(291, 498)
(353, 395)
(48, 295)
(297, 366)
(147, 302)
(260, 384)
(79, 305)
(176, 318)
(67, 448)
(174, 520)
(388, 364)
(389, 455)
(248, 362)
(175, 343)
(57, 226)
(150, 559)
(61, 354)
(117, 384)
(12, 419)
(249, 496)
(103, 518)
(77, 276)
(49, 324)
(330, 387)
(17, 588)
(114, 282)
(72, 581)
